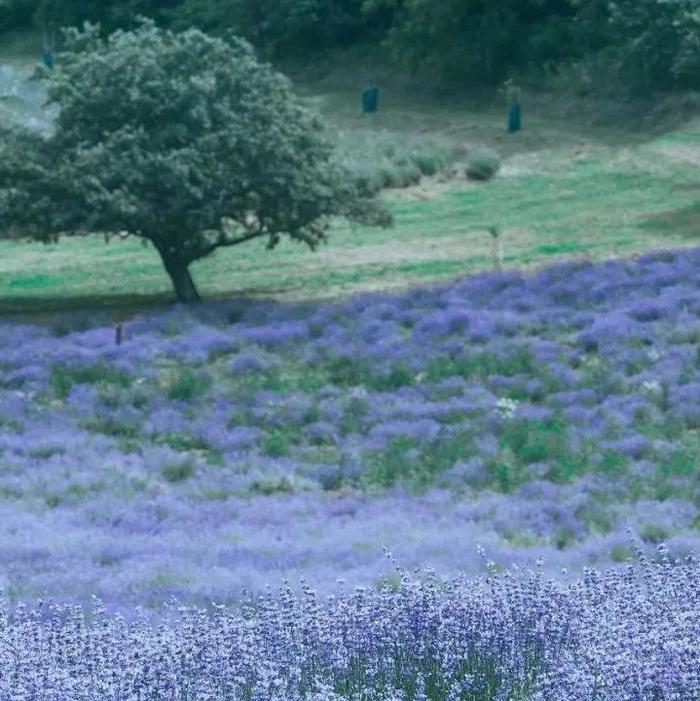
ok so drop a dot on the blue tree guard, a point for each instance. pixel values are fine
(514, 118)
(370, 100)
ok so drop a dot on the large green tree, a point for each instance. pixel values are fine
(183, 140)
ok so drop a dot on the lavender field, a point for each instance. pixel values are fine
(230, 445)
(453, 455)
(620, 636)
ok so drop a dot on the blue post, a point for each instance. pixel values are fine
(514, 117)
(47, 58)
(370, 100)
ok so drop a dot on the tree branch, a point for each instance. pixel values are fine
(224, 241)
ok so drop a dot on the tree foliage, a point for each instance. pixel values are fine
(644, 44)
(16, 13)
(653, 43)
(183, 140)
(278, 27)
(110, 15)
(478, 41)
(274, 26)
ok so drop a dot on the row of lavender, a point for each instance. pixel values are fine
(618, 635)
(237, 442)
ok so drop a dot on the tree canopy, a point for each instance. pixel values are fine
(477, 41)
(183, 140)
(642, 45)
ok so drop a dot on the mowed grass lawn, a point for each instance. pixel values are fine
(565, 190)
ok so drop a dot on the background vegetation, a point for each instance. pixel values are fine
(628, 45)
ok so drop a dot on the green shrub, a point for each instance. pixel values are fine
(622, 553)
(61, 381)
(354, 415)
(52, 499)
(312, 414)
(272, 485)
(182, 442)
(521, 539)
(613, 462)
(186, 384)
(684, 460)
(404, 461)
(46, 452)
(391, 160)
(481, 365)
(112, 426)
(563, 538)
(429, 163)
(527, 441)
(506, 471)
(348, 371)
(400, 375)
(408, 171)
(215, 493)
(597, 517)
(277, 444)
(395, 463)
(483, 164)
(179, 470)
(655, 534)
(63, 378)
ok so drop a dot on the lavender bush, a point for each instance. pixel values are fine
(244, 441)
(627, 635)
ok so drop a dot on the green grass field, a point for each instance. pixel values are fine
(565, 190)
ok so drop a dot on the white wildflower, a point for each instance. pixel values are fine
(653, 354)
(651, 387)
(506, 407)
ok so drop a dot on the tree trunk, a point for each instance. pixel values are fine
(183, 284)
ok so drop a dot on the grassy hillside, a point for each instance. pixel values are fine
(565, 190)
(551, 201)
